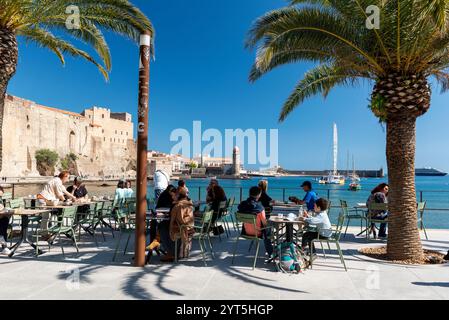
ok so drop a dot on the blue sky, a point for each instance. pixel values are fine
(201, 72)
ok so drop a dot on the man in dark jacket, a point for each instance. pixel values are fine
(253, 206)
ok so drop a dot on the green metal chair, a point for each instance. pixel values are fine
(334, 238)
(201, 227)
(249, 219)
(421, 209)
(107, 214)
(90, 220)
(64, 226)
(351, 214)
(230, 212)
(6, 197)
(16, 221)
(373, 206)
(224, 209)
(221, 210)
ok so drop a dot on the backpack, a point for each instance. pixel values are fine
(290, 259)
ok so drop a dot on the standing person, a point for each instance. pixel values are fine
(161, 181)
(379, 195)
(309, 199)
(253, 206)
(265, 199)
(321, 221)
(181, 224)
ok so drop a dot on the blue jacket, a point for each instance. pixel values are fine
(310, 199)
(250, 205)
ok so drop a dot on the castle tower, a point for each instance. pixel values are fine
(236, 161)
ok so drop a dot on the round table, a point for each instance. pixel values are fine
(278, 223)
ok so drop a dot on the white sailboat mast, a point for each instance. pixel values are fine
(335, 149)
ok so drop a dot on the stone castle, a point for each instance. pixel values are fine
(102, 140)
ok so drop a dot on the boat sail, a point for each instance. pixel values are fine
(334, 177)
(355, 180)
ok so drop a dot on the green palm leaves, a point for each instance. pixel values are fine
(412, 38)
(45, 22)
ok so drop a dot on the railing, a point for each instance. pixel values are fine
(282, 194)
(333, 194)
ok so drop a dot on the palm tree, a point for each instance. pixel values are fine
(410, 45)
(44, 21)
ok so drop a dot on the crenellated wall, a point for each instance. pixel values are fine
(103, 141)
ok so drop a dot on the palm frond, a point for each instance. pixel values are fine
(319, 80)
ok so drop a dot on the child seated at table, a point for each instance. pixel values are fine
(319, 221)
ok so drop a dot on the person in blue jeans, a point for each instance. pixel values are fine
(309, 199)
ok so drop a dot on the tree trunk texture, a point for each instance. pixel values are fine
(404, 241)
(8, 64)
(399, 100)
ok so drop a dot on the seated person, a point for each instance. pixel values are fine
(253, 206)
(120, 192)
(79, 191)
(4, 223)
(182, 184)
(53, 190)
(216, 195)
(165, 200)
(181, 215)
(212, 183)
(129, 192)
(320, 221)
(310, 197)
(265, 199)
(379, 195)
(167, 197)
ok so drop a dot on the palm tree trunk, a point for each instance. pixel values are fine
(403, 237)
(8, 65)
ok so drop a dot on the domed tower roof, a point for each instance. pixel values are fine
(236, 149)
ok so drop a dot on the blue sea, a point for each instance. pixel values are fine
(433, 190)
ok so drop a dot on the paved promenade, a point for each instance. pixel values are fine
(92, 275)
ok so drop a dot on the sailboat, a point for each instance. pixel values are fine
(334, 177)
(355, 180)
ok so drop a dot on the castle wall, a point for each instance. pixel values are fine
(28, 127)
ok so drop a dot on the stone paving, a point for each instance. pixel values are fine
(93, 275)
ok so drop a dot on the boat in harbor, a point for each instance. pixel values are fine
(355, 179)
(429, 172)
(333, 177)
